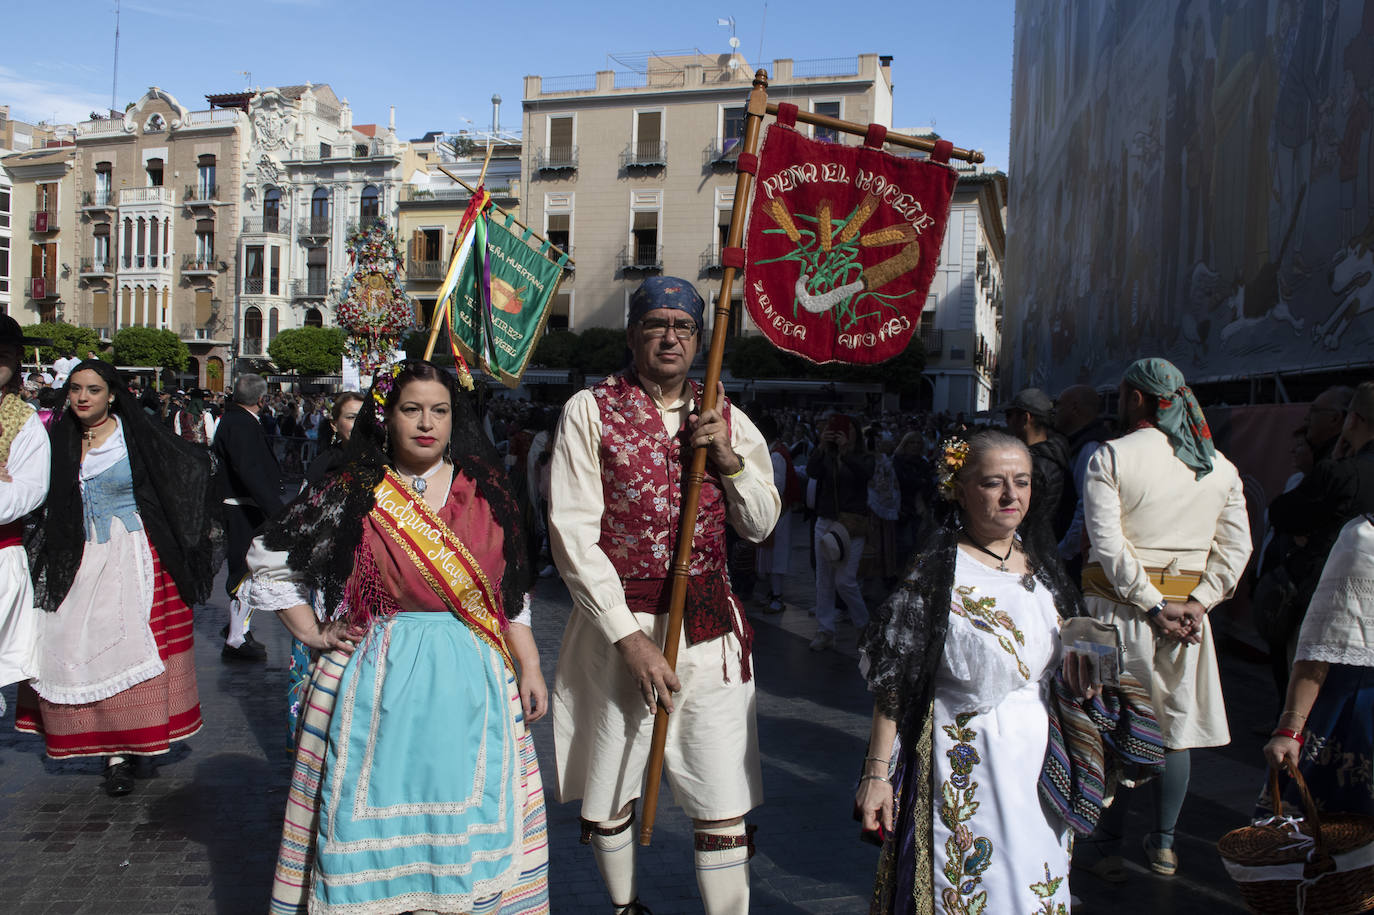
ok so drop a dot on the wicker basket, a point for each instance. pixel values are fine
(1311, 866)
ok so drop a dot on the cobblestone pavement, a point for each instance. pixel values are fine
(202, 835)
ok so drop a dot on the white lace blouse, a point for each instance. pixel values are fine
(1339, 626)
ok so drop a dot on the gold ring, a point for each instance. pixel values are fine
(710, 437)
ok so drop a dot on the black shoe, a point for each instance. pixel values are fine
(251, 650)
(119, 779)
(145, 767)
(634, 908)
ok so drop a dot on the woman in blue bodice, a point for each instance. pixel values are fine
(123, 553)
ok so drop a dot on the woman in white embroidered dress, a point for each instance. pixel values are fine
(959, 658)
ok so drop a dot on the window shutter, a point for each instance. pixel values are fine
(36, 264)
(100, 308)
(203, 307)
(50, 269)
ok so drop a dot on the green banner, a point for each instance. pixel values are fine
(499, 317)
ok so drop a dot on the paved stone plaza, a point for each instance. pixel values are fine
(202, 836)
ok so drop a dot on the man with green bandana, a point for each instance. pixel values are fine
(1168, 539)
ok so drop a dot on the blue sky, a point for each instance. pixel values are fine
(439, 63)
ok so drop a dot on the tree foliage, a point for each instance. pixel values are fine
(557, 349)
(308, 350)
(600, 351)
(66, 338)
(148, 346)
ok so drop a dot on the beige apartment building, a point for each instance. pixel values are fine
(634, 170)
(44, 174)
(158, 226)
(42, 248)
(20, 136)
(432, 203)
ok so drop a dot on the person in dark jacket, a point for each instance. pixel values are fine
(841, 470)
(916, 485)
(1326, 419)
(1338, 489)
(341, 417)
(1030, 418)
(1078, 417)
(250, 484)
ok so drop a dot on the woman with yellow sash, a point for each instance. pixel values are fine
(415, 786)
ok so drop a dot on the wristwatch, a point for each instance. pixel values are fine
(1158, 608)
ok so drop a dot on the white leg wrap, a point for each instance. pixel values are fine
(615, 858)
(722, 860)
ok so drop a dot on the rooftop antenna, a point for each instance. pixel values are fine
(247, 78)
(734, 42)
(114, 77)
(758, 61)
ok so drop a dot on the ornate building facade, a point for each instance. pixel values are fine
(157, 211)
(310, 177)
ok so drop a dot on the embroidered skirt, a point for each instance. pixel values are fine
(1337, 760)
(154, 704)
(416, 785)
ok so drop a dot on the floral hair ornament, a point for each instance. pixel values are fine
(953, 456)
(382, 383)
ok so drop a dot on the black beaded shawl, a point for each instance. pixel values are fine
(176, 503)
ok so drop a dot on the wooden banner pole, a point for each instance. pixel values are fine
(440, 308)
(559, 252)
(896, 139)
(682, 560)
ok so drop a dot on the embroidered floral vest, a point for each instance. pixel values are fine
(642, 480)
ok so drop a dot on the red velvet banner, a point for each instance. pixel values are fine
(843, 244)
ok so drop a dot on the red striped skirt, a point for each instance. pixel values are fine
(143, 719)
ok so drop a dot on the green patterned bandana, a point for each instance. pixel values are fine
(1179, 416)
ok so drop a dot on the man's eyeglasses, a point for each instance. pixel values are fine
(653, 328)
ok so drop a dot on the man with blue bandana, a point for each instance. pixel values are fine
(617, 480)
(1168, 540)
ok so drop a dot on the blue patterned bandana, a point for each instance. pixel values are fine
(667, 292)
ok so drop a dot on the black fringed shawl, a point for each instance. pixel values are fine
(900, 652)
(176, 502)
(321, 528)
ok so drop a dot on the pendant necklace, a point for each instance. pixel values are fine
(89, 433)
(417, 482)
(1002, 560)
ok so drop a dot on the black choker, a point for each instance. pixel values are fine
(1002, 560)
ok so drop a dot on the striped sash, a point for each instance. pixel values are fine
(291, 883)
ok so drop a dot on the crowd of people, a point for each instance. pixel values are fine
(1029, 597)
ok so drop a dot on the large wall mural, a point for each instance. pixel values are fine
(1190, 178)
